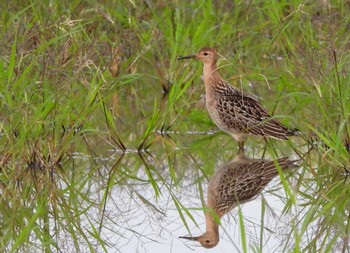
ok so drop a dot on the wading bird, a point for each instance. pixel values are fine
(233, 111)
(236, 182)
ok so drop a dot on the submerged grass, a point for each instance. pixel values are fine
(92, 98)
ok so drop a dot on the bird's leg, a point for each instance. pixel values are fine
(265, 147)
(241, 147)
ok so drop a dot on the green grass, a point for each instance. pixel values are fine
(95, 80)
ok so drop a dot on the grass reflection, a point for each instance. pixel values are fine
(105, 140)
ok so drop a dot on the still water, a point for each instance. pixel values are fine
(135, 220)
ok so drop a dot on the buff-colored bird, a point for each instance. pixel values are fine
(233, 111)
(236, 182)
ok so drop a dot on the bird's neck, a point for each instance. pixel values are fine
(211, 224)
(210, 72)
(211, 77)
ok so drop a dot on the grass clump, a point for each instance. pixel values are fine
(93, 101)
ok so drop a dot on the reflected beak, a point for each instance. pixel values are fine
(191, 238)
(192, 56)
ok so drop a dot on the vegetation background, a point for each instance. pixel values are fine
(98, 119)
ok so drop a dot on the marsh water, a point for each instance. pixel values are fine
(137, 218)
(106, 144)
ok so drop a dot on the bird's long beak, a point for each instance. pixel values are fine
(191, 238)
(192, 56)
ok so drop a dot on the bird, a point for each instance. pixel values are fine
(236, 182)
(232, 110)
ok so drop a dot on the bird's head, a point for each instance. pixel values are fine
(208, 240)
(206, 54)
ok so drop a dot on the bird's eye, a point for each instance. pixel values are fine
(207, 241)
(205, 54)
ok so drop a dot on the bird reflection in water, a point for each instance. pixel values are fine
(236, 182)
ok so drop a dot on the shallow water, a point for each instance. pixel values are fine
(135, 220)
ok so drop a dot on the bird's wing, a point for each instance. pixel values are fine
(241, 183)
(244, 112)
(254, 177)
